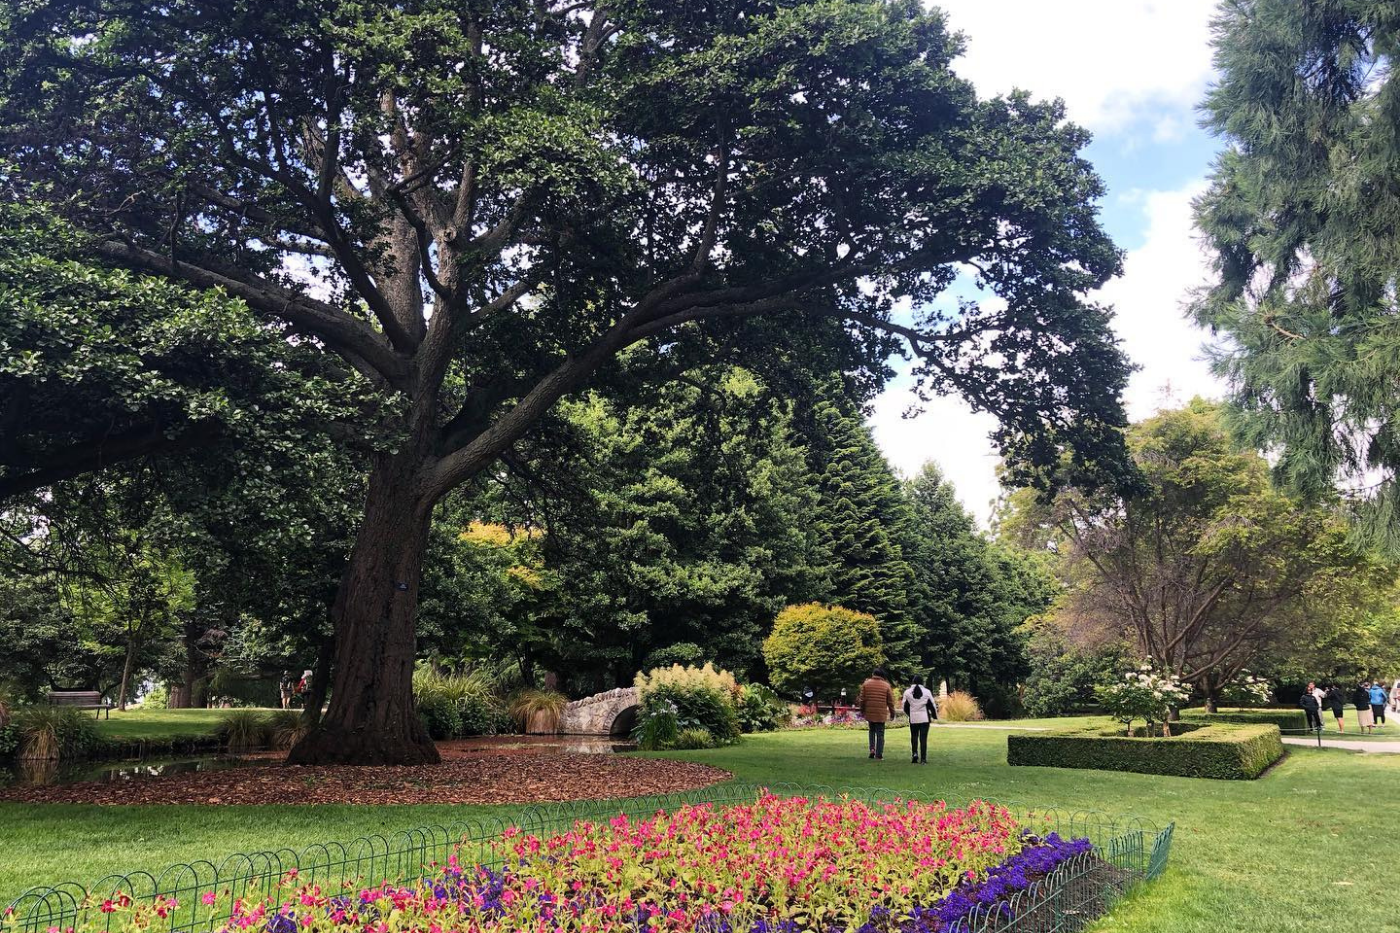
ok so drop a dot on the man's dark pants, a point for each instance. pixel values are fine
(1378, 713)
(877, 738)
(1314, 720)
(918, 739)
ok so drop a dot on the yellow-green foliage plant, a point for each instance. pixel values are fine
(959, 706)
(822, 647)
(686, 678)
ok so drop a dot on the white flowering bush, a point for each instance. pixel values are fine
(1246, 690)
(1142, 694)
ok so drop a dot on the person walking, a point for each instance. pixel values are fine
(920, 708)
(1361, 699)
(1378, 702)
(1313, 709)
(285, 687)
(876, 703)
(1337, 704)
(1395, 697)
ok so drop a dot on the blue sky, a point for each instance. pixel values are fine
(1133, 72)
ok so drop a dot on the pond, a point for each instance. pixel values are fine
(43, 773)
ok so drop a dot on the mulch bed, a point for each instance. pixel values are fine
(476, 779)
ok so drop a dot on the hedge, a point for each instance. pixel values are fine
(1227, 752)
(1288, 720)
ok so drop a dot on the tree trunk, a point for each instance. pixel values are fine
(371, 719)
(126, 672)
(314, 700)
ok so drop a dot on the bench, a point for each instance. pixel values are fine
(81, 699)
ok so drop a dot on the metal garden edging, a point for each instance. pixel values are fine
(1127, 851)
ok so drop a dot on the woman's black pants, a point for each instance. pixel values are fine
(918, 739)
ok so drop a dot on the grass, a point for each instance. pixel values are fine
(162, 723)
(1308, 846)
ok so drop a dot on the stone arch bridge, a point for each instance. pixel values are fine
(612, 712)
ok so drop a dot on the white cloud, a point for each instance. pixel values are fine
(1158, 277)
(1113, 61)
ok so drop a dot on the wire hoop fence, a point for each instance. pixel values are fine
(1126, 852)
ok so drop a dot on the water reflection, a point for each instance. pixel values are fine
(44, 772)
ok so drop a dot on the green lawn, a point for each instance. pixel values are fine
(1309, 846)
(161, 723)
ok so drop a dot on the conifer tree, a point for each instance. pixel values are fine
(1304, 218)
(860, 520)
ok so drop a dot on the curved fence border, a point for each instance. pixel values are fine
(1127, 851)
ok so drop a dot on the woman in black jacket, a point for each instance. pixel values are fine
(1338, 705)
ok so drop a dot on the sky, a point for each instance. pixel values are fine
(1132, 72)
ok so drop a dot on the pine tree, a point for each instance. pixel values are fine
(860, 521)
(1304, 217)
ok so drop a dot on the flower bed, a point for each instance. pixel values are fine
(777, 864)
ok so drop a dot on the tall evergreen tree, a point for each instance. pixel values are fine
(969, 597)
(1304, 216)
(860, 520)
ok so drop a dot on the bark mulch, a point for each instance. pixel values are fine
(487, 778)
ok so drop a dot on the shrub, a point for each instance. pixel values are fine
(1142, 694)
(243, 729)
(686, 678)
(158, 697)
(760, 709)
(285, 728)
(1205, 751)
(685, 652)
(453, 705)
(822, 647)
(9, 741)
(441, 716)
(657, 728)
(1289, 720)
(51, 732)
(1246, 690)
(538, 710)
(694, 738)
(702, 698)
(959, 706)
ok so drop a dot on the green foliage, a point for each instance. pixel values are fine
(1302, 213)
(1212, 568)
(1292, 720)
(1062, 676)
(658, 728)
(699, 698)
(969, 596)
(284, 727)
(9, 741)
(761, 710)
(1222, 752)
(822, 647)
(694, 738)
(55, 732)
(244, 729)
(456, 705)
(158, 697)
(1141, 694)
(686, 653)
(859, 519)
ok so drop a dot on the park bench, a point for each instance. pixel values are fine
(81, 699)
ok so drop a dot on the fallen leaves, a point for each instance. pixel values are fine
(471, 779)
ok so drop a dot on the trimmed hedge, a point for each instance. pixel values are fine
(1226, 752)
(1288, 720)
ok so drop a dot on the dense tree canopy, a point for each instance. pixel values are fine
(477, 206)
(1304, 217)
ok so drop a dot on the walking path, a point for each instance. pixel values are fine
(1392, 748)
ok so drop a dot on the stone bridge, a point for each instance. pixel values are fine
(613, 712)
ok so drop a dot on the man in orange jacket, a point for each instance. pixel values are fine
(876, 703)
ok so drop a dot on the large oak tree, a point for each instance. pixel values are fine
(478, 203)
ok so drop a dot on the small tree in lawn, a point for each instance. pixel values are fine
(1142, 694)
(822, 647)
